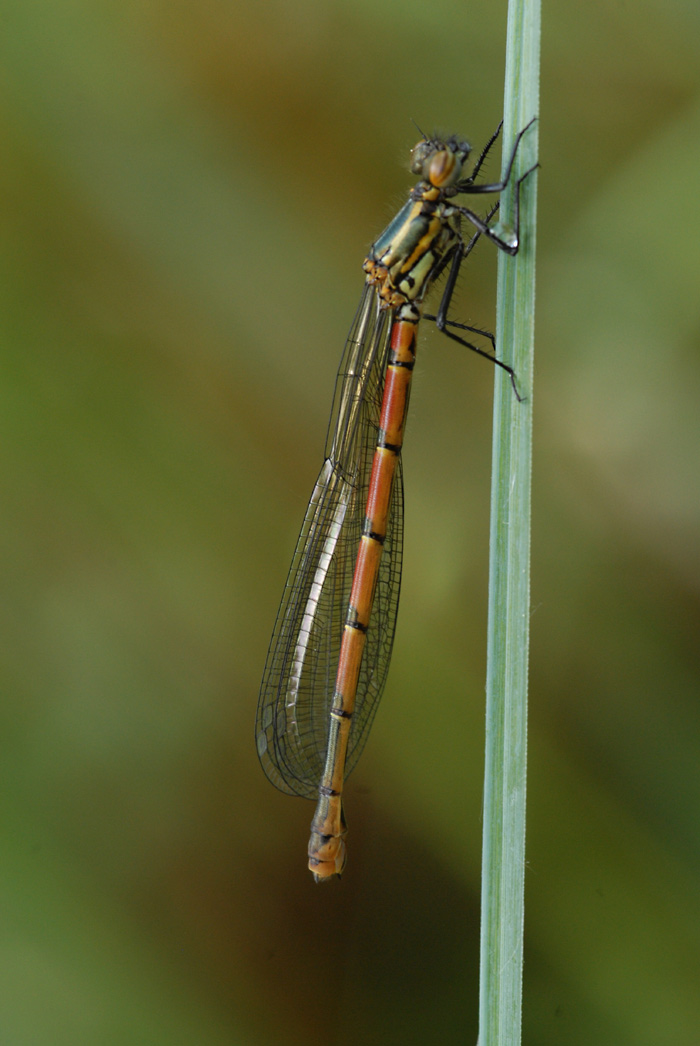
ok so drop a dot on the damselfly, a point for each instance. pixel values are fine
(331, 646)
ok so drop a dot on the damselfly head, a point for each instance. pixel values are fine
(440, 162)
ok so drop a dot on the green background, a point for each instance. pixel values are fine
(188, 191)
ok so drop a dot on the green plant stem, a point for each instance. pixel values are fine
(503, 862)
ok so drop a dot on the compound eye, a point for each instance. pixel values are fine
(419, 154)
(444, 168)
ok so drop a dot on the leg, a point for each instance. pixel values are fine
(466, 185)
(474, 348)
(441, 321)
(510, 245)
(484, 153)
(454, 258)
(449, 258)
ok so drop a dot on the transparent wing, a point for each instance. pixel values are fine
(299, 677)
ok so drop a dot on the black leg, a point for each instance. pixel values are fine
(467, 187)
(510, 246)
(462, 250)
(484, 153)
(456, 257)
(475, 348)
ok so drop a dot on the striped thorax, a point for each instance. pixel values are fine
(402, 261)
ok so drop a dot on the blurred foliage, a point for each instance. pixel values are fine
(189, 189)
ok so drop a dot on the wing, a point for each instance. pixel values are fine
(300, 672)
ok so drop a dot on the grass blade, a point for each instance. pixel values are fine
(503, 862)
